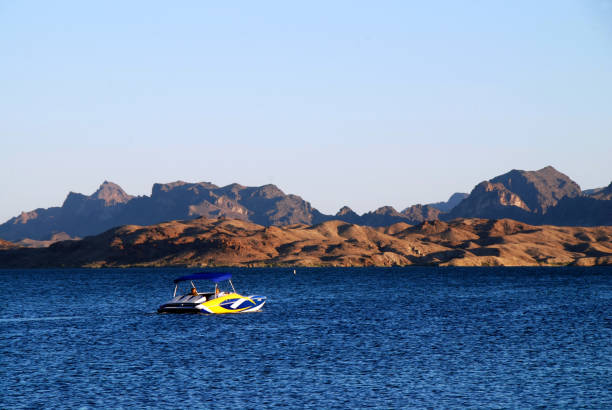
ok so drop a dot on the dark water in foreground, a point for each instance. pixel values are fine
(390, 338)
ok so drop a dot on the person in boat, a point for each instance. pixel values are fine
(194, 292)
(218, 292)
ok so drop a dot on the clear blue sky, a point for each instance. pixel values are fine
(343, 103)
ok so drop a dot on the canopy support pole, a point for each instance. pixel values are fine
(175, 288)
(233, 288)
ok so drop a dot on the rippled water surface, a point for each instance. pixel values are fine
(411, 337)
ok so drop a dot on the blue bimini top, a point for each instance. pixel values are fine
(212, 276)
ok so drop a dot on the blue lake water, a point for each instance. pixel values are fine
(392, 338)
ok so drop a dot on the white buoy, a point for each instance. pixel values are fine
(294, 271)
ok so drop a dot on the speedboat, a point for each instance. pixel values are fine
(218, 301)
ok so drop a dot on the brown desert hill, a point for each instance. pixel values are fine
(7, 245)
(395, 228)
(57, 237)
(234, 242)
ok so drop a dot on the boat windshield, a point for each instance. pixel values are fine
(215, 277)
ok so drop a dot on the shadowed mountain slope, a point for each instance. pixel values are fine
(79, 215)
(530, 196)
(452, 202)
(420, 213)
(539, 190)
(600, 193)
(580, 211)
(82, 215)
(346, 214)
(383, 216)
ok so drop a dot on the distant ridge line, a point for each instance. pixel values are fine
(545, 196)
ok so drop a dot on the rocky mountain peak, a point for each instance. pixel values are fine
(345, 210)
(111, 194)
(386, 210)
(268, 191)
(348, 215)
(235, 187)
(517, 194)
(539, 189)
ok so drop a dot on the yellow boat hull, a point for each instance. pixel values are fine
(233, 303)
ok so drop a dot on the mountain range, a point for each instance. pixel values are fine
(546, 196)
